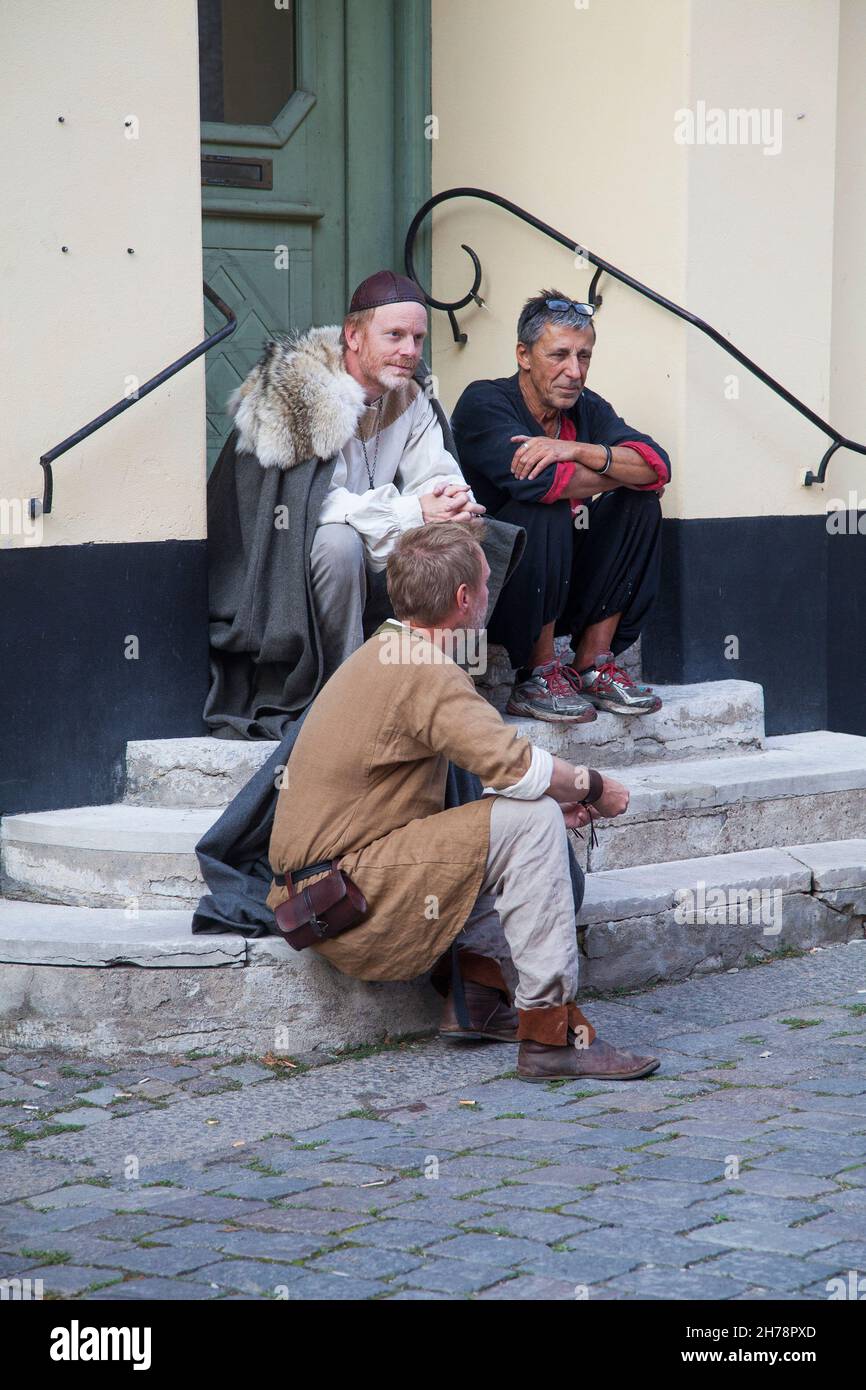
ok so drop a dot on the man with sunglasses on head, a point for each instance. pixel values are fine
(542, 451)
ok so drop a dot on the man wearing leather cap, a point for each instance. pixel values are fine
(394, 472)
(338, 449)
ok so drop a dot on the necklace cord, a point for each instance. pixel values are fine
(371, 472)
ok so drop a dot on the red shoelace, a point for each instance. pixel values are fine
(557, 681)
(573, 676)
(609, 671)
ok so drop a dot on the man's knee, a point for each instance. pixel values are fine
(645, 507)
(337, 553)
(540, 820)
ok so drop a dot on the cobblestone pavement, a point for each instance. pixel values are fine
(429, 1171)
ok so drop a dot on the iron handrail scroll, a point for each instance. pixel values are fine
(838, 441)
(43, 507)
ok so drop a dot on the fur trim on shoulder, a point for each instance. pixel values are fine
(298, 402)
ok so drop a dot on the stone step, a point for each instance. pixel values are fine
(720, 717)
(111, 981)
(107, 982)
(801, 787)
(667, 921)
(51, 934)
(191, 771)
(132, 857)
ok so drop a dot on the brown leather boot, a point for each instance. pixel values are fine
(559, 1044)
(488, 999)
(490, 1015)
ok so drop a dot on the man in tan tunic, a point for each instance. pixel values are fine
(365, 787)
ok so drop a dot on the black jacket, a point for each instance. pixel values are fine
(490, 412)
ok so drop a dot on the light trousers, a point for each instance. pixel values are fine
(339, 580)
(524, 915)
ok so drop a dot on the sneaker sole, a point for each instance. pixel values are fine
(597, 1076)
(611, 707)
(588, 716)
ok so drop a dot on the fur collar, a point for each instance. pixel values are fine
(298, 402)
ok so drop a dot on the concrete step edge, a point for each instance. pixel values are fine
(114, 827)
(825, 866)
(800, 766)
(723, 717)
(60, 934)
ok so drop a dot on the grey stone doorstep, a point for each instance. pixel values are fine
(796, 790)
(717, 717)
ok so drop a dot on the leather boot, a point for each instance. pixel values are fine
(490, 1015)
(488, 1000)
(559, 1044)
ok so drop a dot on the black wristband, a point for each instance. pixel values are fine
(595, 789)
(608, 459)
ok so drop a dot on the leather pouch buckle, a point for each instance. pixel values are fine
(321, 910)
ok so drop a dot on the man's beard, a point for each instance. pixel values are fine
(389, 378)
(476, 621)
(469, 642)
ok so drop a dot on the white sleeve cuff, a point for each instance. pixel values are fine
(408, 510)
(534, 782)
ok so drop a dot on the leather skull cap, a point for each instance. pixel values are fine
(385, 288)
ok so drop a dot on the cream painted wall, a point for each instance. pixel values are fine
(847, 471)
(759, 256)
(567, 112)
(79, 324)
(741, 238)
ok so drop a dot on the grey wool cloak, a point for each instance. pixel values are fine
(293, 414)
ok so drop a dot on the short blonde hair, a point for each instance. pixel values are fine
(427, 566)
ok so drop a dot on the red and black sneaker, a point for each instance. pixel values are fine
(550, 694)
(611, 688)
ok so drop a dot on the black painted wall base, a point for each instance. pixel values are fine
(72, 690)
(789, 591)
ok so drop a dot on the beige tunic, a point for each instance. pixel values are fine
(365, 784)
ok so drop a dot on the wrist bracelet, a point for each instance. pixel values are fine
(595, 789)
(608, 460)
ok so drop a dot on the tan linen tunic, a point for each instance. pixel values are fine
(365, 784)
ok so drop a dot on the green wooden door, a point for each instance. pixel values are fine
(314, 158)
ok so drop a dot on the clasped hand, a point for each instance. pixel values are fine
(613, 801)
(450, 502)
(578, 814)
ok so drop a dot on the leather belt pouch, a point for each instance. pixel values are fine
(323, 910)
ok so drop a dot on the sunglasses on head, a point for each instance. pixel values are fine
(585, 310)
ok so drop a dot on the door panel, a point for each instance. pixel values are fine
(348, 155)
(266, 300)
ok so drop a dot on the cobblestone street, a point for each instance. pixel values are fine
(429, 1171)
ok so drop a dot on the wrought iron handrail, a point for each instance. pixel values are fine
(43, 507)
(839, 441)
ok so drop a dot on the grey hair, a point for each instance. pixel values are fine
(535, 315)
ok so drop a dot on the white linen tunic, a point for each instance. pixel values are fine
(411, 459)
